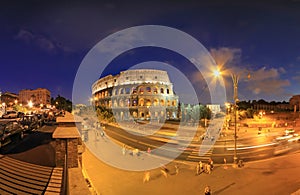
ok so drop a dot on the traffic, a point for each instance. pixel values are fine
(13, 124)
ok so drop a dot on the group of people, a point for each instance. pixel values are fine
(204, 167)
(163, 170)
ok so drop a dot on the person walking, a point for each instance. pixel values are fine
(225, 163)
(198, 169)
(124, 149)
(201, 166)
(146, 177)
(176, 169)
(207, 190)
(149, 150)
(211, 163)
(164, 171)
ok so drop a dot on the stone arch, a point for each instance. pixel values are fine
(162, 91)
(168, 103)
(134, 90)
(141, 102)
(155, 102)
(141, 90)
(168, 91)
(148, 102)
(174, 103)
(121, 103)
(148, 89)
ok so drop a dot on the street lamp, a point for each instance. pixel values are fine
(235, 80)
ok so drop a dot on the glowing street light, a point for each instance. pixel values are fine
(217, 73)
(30, 104)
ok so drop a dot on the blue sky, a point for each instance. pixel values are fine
(43, 43)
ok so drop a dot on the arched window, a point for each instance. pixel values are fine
(141, 102)
(148, 89)
(155, 102)
(168, 91)
(134, 90)
(141, 90)
(134, 102)
(174, 103)
(121, 103)
(162, 90)
(155, 90)
(162, 102)
(148, 103)
(168, 103)
(114, 92)
(115, 103)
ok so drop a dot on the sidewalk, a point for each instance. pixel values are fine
(279, 175)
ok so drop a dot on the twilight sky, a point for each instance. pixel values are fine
(43, 43)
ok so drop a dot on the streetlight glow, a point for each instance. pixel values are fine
(30, 104)
(217, 73)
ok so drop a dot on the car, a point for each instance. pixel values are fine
(9, 131)
(31, 122)
(289, 131)
(10, 114)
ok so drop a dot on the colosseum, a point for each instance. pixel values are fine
(137, 94)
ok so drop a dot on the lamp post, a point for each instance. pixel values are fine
(235, 80)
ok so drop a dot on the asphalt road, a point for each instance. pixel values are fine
(221, 149)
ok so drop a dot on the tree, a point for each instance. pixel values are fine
(62, 103)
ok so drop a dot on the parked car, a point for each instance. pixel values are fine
(10, 114)
(9, 131)
(31, 122)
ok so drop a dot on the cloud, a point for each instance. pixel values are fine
(253, 82)
(267, 83)
(226, 55)
(297, 77)
(41, 41)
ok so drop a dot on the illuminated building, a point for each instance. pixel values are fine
(137, 94)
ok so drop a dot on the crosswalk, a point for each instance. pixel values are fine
(194, 155)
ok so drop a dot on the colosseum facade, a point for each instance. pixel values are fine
(137, 94)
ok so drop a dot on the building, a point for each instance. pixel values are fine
(137, 94)
(214, 108)
(9, 98)
(37, 96)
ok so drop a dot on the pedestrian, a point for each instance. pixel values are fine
(198, 169)
(149, 150)
(201, 166)
(211, 163)
(164, 171)
(208, 167)
(146, 177)
(207, 190)
(225, 163)
(124, 149)
(176, 169)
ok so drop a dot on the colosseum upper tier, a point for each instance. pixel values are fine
(137, 94)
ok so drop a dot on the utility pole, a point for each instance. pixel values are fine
(235, 80)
